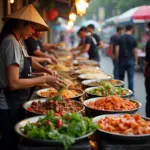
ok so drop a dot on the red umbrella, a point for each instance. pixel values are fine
(142, 13)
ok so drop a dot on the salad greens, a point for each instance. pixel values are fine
(64, 129)
(108, 89)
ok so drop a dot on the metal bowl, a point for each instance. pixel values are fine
(88, 62)
(86, 83)
(89, 95)
(95, 68)
(121, 136)
(94, 112)
(26, 105)
(77, 98)
(40, 141)
(84, 77)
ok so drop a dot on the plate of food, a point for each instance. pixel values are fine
(95, 76)
(58, 104)
(59, 67)
(81, 58)
(108, 90)
(95, 83)
(68, 93)
(82, 66)
(91, 62)
(124, 126)
(54, 129)
(89, 70)
(111, 105)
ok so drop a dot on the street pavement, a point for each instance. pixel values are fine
(140, 95)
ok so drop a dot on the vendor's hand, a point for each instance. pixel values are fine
(75, 55)
(71, 50)
(55, 73)
(54, 46)
(54, 60)
(50, 72)
(53, 52)
(39, 74)
(55, 82)
(48, 60)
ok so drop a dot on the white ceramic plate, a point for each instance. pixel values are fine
(92, 88)
(86, 104)
(121, 136)
(87, 82)
(100, 76)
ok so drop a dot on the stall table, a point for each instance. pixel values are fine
(26, 145)
(116, 145)
(103, 143)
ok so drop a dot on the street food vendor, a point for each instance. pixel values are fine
(36, 47)
(80, 46)
(90, 45)
(16, 71)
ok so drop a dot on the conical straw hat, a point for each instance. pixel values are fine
(29, 13)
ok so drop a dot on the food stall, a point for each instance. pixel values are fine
(90, 95)
(93, 111)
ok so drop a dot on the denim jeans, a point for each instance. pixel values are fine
(116, 70)
(127, 65)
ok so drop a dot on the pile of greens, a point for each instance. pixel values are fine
(108, 89)
(64, 129)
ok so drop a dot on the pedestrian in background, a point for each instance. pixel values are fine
(126, 55)
(113, 41)
(72, 40)
(147, 77)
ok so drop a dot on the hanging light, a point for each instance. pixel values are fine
(70, 23)
(72, 16)
(81, 6)
(12, 1)
(87, 4)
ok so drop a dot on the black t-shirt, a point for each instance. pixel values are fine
(127, 43)
(97, 38)
(33, 45)
(93, 50)
(82, 42)
(114, 40)
(147, 49)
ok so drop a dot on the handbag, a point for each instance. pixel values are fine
(147, 71)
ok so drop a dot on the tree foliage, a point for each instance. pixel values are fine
(113, 7)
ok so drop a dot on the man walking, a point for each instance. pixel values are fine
(126, 55)
(113, 41)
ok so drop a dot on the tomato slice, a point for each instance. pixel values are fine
(56, 114)
(30, 109)
(47, 122)
(59, 123)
